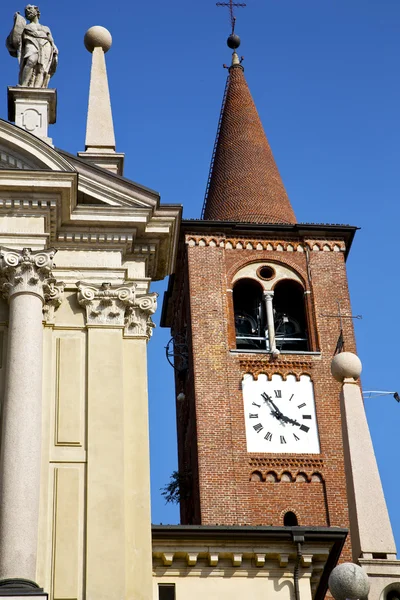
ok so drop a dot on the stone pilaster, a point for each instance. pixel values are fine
(118, 487)
(26, 281)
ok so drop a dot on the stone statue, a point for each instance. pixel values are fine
(34, 47)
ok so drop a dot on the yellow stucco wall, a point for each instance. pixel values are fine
(94, 530)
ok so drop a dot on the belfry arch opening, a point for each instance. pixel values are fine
(270, 320)
(290, 317)
(249, 315)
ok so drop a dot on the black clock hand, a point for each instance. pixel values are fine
(276, 412)
(288, 420)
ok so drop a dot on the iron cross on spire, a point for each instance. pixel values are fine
(340, 343)
(231, 5)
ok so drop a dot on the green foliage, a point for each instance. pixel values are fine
(176, 489)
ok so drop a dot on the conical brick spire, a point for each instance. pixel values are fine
(244, 184)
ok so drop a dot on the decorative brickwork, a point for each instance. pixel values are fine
(277, 245)
(270, 366)
(245, 184)
(291, 462)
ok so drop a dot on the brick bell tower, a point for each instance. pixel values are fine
(258, 413)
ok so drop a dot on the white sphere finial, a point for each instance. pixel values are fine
(346, 365)
(98, 37)
(349, 582)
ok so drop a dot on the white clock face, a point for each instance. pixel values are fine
(280, 415)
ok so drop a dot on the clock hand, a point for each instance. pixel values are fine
(276, 412)
(269, 399)
(291, 421)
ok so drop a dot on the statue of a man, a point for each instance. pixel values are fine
(34, 47)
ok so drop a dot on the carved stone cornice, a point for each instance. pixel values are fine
(26, 272)
(106, 304)
(138, 321)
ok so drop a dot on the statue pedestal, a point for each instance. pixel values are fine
(33, 109)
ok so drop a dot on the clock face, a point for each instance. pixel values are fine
(280, 415)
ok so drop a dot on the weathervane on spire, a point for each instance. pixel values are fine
(231, 5)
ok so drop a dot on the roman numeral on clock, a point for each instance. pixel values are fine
(302, 405)
(258, 427)
(258, 405)
(283, 441)
(268, 437)
(304, 428)
(278, 394)
(253, 416)
(295, 437)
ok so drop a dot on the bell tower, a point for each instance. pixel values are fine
(258, 412)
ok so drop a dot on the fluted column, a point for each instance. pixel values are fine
(26, 280)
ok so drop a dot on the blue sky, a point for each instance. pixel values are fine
(325, 78)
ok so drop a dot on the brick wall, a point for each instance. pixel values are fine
(228, 485)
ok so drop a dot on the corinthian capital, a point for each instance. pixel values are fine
(25, 271)
(138, 322)
(106, 304)
(53, 296)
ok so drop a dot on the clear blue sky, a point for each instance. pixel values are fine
(325, 76)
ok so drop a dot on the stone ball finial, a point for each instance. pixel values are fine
(233, 41)
(346, 365)
(98, 37)
(349, 582)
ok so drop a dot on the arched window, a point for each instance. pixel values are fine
(249, 310)
(290, 519)
(290, 317)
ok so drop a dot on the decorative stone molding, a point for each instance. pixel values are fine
(237, 559)
(106, 237)
(53, 295)
(26, 272)
(272, 245)
(118, 306)
(167, 558)
(259, 559)
(8, 161)
(213, 558)
(106, 305)
(191, 558)
(138, 322)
